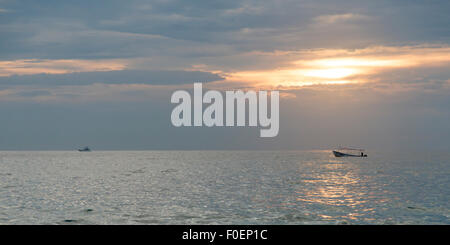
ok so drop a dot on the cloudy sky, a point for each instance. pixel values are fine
(373, 74)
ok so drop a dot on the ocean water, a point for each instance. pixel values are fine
(223, 187)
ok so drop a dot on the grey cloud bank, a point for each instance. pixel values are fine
(86, 29)
(165, 41)
(111, 77)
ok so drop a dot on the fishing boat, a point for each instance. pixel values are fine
(85, 149)
(349, 152)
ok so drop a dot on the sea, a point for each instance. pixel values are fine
(223, 187)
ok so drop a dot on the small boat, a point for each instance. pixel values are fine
(85, 149)
(349, 152)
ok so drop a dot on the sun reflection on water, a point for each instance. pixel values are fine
(333, 189)
(340, 188)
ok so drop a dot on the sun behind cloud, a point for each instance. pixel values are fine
(331, 67)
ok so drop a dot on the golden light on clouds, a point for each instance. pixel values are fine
(329, 73)
(330, 67)
(282, 70)
(38, 66)
(357, 62)
(293, 78)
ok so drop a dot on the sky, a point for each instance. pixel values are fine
(370, 74)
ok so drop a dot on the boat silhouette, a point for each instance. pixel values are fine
(85, 149)
(349, 152)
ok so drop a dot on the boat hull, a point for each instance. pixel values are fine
(341, 154)
(85, 149)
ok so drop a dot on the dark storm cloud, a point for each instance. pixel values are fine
(111, 77)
